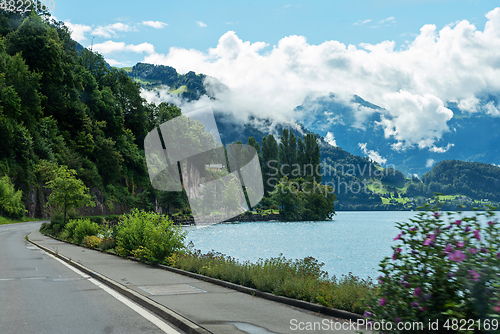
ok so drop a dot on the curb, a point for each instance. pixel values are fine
(266, 295)
(176, 319)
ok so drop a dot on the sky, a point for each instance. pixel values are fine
(410, 57)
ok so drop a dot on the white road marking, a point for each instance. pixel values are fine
(139, 309)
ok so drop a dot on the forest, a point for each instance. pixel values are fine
(63, 105)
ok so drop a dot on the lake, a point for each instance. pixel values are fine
(354, 241)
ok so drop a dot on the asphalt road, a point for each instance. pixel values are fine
(40, 294)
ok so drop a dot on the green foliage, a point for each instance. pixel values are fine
(300, 279)
(148, 234)
(66, 190)
(92, 241)
(443, 269)
(10, 200)
(84, 228)
(300, 200)
(474, 179)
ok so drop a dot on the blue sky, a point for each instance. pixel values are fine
(200, 24)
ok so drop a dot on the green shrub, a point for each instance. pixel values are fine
(84, 227)
(300, 279)
(69, 229)
(157, 236)
(11, 203)
(91, 241)
(444, 270)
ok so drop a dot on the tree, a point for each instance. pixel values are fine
(10, 200)
(67, 191)
(287, 152)
(270, 163)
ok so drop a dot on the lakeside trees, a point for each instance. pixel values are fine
(292, 177)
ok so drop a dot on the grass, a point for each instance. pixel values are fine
(145, 82)
(5, 221)
(127, 69)
(179, 90)
(299, 279)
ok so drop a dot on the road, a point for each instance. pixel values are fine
(41, 294)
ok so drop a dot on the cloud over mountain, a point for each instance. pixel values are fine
(413, 84)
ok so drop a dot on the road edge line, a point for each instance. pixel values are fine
(176, 319)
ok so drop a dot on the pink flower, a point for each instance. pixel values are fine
(460, 244)
(396, 253)
(457, 256)
(484, 250)
(429, 239)
(448, 249)
(413, 229)
(381, 302)
(490, 223)
(498, 256)
(497, 308)
(473, 250)
(398, 236)
(457, 222)
(417, 292)
(467, 229)
(476, 235)
(436, 215)
(474, 275)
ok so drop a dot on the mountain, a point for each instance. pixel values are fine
(355, 126)
(189, 86)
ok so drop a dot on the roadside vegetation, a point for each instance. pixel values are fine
(445, 266)
(445, 270)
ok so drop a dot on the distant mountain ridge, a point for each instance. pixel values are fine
(472, 137)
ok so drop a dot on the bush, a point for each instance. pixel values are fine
(69, 229)
(91, 241)
(299, 279)
(443, 270)
(150, 234)
(11, 200)
(84, 227)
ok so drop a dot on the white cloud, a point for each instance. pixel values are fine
(492, 110)
(155, 24)
(429, 163)
(387, 20)
(330, 139)
(373, 155)
(115, 63)
(110, 47)
(111, 29)
(78, 31)
(361, 22)
(201, 24)
(412, 84)
(441, 149)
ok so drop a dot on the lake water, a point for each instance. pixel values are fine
(354, 241)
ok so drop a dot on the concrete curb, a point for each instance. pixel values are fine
(176, 319)
(266, 295)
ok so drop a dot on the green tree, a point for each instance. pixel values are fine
(286, 195)
(11, 202)
(287, 152)
(67, 191)
(270, 163)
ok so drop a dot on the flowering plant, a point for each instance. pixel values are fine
(445, 270)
